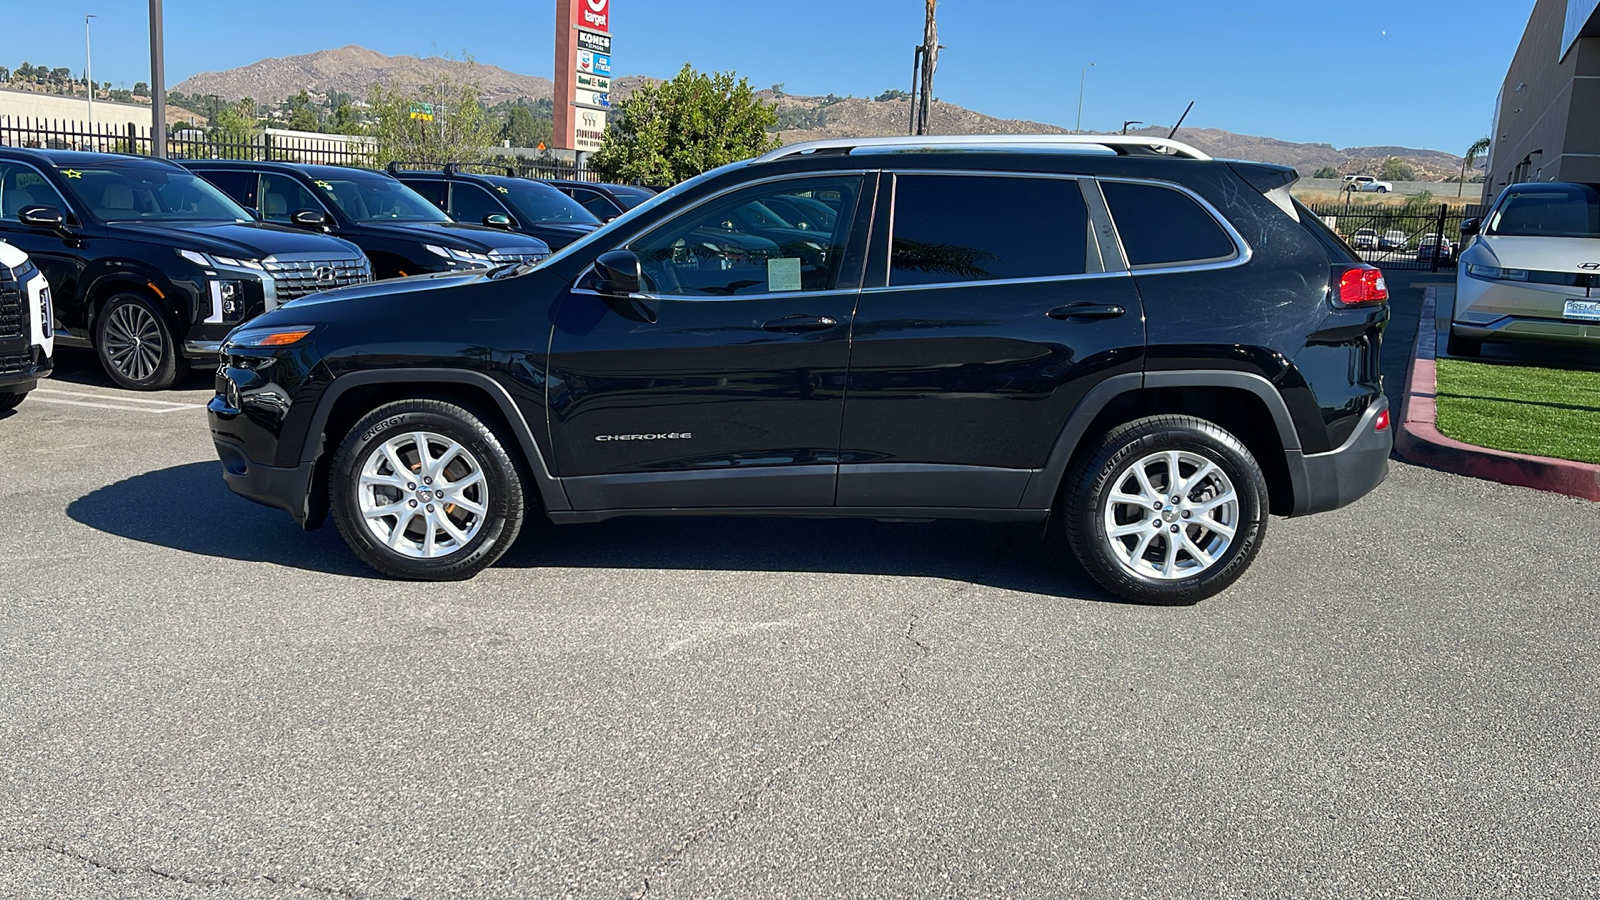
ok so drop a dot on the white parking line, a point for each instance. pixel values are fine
(103, 401)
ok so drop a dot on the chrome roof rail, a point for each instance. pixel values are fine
(1125, 145)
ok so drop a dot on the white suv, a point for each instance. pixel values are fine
(1367, 184)
(1532, 270)
(27, 336)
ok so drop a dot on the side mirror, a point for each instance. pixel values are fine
(1469, 227)
(499, 220)
(310, 218)
(41, 217)
(620, 273)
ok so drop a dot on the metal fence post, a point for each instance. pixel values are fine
(1438, 237)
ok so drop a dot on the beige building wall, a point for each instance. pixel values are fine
(30, 105)
(1548, 123)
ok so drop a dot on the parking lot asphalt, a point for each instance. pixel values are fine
(199, 700)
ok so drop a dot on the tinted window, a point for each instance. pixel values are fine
(539, 202)
(951, 228)
(370, 197)
(1557, 210)
(595, 203)
(117, 193)
(283, 195)
(239, 186)
(434, 191)
(22, 187)
(736, 246)
(470, 203)
(1162, 226)
(631, 197)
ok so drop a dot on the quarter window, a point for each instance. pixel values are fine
(740, 245)
(960, 228)
(1160, 226)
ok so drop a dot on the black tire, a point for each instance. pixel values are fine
(502, 496)
(135, 341)
(10, 400)
(1088, 511)
(1465, 348)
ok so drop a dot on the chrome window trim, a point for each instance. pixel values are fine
(1042, 279)
(1242, 252)
(1089, 217)
(683, 298)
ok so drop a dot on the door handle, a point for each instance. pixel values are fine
(1087, 311)
(801, 323)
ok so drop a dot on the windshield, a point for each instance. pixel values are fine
(630, 197)
(542, 203)
(377, 198)
(1556, 210)
(116, 193)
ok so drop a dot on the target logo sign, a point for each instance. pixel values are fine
(596, 14)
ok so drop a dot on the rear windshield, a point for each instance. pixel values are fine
(1338, 250)
(1557, 210)
(144, 193)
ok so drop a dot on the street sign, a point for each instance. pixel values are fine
(594, 83)
(595, 14)
(594, 43)
(591, 99)
(422, 111)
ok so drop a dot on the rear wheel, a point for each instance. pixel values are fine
(425, 490)
(1466, 348)
(134, 340)
(1166, 510)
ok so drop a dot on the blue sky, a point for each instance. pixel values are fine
(1351, 73)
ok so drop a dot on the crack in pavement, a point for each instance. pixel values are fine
(870, 710)
(191, 880)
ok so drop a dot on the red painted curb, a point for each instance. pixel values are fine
(1418, 438)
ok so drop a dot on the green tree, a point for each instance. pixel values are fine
(1396, 169)
(1326, 172)
(524, 129)
(344, 119)
(1470, 161)
(460, 129)
(892, 94)
(141, 89)
(301, 116)
(25, 71)
(234, 129)
(668, 132)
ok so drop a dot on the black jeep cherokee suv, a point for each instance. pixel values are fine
(1159, 347)
(150, 265)
(402, 233)
(501, 201)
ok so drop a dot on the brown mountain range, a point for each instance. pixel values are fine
(354, 69)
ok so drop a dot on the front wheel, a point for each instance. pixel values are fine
(1167, 510)
(425, 490)
(134, 340)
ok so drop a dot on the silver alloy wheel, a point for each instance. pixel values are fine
(423, 495)
(133, 341)
(1171, 515)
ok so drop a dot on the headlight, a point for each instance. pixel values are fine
(1495, 273)
(455, 255)
(199, 259)
(211, 262)
(269, 337)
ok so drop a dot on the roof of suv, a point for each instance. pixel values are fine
(59, 158)
(311, 170)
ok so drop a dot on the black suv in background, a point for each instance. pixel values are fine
(1157, 347)
(606, 201)
(502, 201)
(150, 265)
(402, 233)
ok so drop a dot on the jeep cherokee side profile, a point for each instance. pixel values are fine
(1157, 347)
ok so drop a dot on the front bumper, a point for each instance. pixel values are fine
(288, 489)
(20, 371)
(1514, 312)
(1338, 478)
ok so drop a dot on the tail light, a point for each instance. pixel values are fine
(1382, 422)
(1361, 286)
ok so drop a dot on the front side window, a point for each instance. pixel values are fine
(283, 195)
(376, 198)
(739, 246)
(960, 228)
(538, 202)
(116, 193)
(471, 203)
(21, 187)
(1161, 226)
(1565, 210)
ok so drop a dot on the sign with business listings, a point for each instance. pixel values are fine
(583, 73)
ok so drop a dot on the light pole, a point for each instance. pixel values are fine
(158, 84)
(88, 74)
(1081, 80)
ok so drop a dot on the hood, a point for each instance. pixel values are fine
(251, 240)
(457, 235)
(388, 289)
(1545, 254)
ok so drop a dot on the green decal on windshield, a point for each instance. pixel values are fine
(73, 173)
(327, 186)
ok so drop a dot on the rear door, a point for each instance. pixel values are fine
(989, 312)
(723, 384)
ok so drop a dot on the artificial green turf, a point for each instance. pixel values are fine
(1523, 409)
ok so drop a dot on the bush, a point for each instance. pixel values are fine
(1327, 172)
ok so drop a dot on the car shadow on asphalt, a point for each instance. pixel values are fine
(188, 508)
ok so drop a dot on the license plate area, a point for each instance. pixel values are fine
(1583, 310)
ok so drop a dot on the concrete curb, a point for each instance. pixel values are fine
(1418, 438)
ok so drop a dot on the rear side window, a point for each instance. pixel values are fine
(241, 186)
(1161, 226)
(433, 190)
(961, 228)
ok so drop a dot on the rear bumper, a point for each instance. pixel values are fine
(1327, 481)
(287, 489)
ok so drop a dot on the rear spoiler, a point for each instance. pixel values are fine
(1265, 177)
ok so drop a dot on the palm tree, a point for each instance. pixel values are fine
(1471, 160)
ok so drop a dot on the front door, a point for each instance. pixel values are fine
(60, 255)
(722, 385)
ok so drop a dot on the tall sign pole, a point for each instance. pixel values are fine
(930, 61)
(583, 73)
(158, 84)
